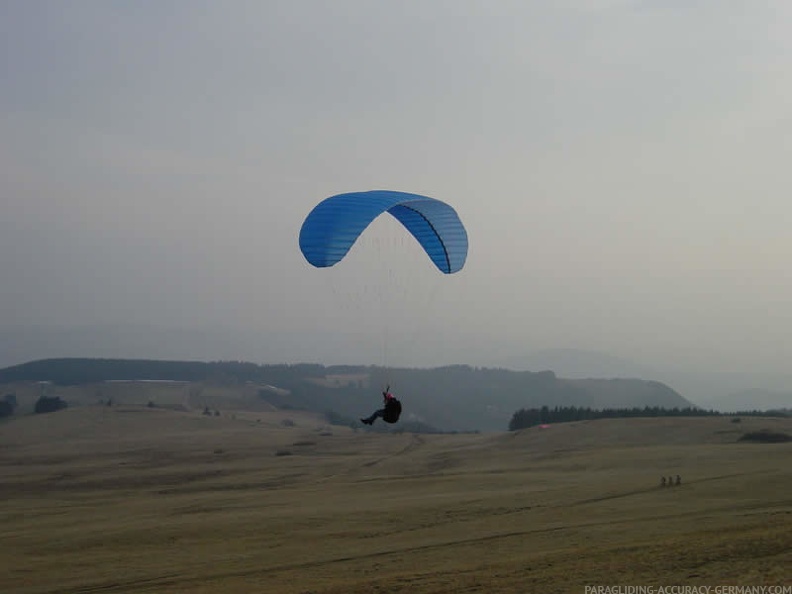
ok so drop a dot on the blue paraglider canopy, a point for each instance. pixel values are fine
(333, 226)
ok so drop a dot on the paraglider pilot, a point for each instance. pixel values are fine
(389, 412)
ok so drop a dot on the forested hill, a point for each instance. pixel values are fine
(75, 371)
(456, 397)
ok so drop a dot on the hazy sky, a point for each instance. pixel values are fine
(622, 168)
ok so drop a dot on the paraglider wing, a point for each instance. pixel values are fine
(334, 225)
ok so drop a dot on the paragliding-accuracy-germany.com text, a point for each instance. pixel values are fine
(786, 589)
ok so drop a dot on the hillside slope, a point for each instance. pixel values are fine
(129, 499)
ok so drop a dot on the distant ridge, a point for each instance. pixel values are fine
(74, 371)
(456, 397)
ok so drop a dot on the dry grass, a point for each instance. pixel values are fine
(129, 499)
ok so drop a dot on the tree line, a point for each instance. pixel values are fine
(531, 417)
(8, 405)
(44, 404)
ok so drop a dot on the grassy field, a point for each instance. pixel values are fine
(134, 499)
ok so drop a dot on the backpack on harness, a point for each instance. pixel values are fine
(392, 411)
